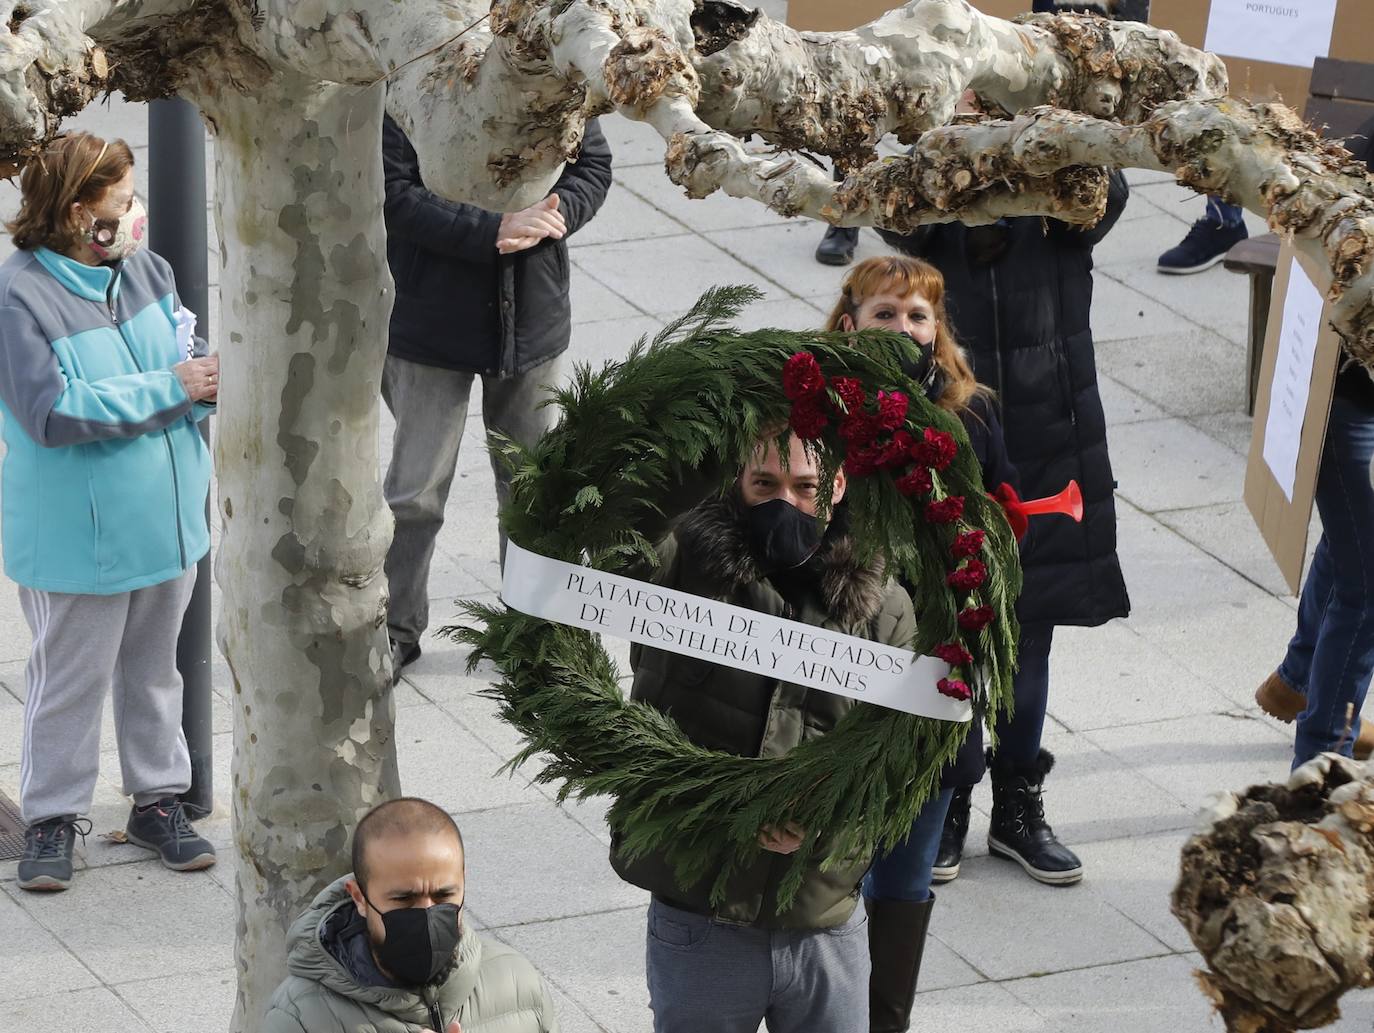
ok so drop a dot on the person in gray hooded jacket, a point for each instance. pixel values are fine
(385, 949)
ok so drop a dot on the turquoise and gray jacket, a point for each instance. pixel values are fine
(106, 475)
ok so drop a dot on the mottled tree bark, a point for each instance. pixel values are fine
(1277, 893)
(305, 303)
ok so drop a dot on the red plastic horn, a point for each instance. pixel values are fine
(1068, 502)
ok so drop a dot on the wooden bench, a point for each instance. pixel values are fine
(1341, 100)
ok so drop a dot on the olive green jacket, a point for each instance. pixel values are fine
(492, 989)
(751, 715)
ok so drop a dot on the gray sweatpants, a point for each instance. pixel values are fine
(431, 407)
(707, 975)
(83, 645)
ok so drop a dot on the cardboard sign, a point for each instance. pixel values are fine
(1297, 376)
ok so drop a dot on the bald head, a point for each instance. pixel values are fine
(407, 817)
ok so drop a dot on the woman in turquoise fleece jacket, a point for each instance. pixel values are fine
(104, 483)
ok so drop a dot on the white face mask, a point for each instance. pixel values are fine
(116, 240)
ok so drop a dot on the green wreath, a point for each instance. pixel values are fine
(697, 399)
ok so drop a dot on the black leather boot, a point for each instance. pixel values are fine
(946, 868)
(896, 941)
(837, 246)
(1019, 831)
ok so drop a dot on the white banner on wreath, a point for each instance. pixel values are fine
(732, 636)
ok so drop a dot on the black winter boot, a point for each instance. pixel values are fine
(946, 868)
(896, 941)
(1019, 831)
(837, 246)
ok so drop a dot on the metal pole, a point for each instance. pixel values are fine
(176, 225)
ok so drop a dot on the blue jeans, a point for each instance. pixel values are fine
(1226, 215)
(1331, 656)
(1018, 736)
(904, 873)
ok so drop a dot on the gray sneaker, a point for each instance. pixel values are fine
(164, 828)
(47, 861)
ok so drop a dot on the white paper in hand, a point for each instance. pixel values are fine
(186, 331)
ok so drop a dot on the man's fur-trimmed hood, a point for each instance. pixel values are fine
(713, 536)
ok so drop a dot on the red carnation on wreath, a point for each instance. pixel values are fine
(802, 377)
(861, 462)
(946, 511)
(808, 420)
(954, 654)
(892, 407)
(894, 453)
(938, 449)
(917, 482)
(859, 428)
(976, 618)
(954, 689)
(968, 577)
(850, 391)
(970, 543)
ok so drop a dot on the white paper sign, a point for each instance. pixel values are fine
(1302, 323)
(1282, 32)
(732, 636)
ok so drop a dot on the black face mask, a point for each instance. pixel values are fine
(781, 535)
(420, 942)
(921, 368)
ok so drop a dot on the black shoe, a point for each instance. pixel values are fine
(946, 868)
(1205, 245)
(164, 828)
(896, 942)
(47, 861)
(837, 246)
(1019, 831)
(403, 654)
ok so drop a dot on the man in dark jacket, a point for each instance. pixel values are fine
(729, 967)
(1019, 294)
(478, 293)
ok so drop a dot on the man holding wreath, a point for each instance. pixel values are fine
(728, 966)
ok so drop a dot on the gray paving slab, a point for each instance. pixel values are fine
(190, 1001)
(95, 1009)
(640, 271)
(444, 762)
(1152, 367)
(33, 961)
(606, 982)
(534, 863)
(1121, 405)
(1170, 464)
(985, 1006)
(607, 340)
(1122, 312)
(625, 216)
(1232, 429)
(1074, 926)
(1192, 758)
(165, 923)
(1226, 532)
(1136, 876)
(1123, 998)
(1215, 298)
(1110, 676)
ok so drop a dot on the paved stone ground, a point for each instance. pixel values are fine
(1148, 715)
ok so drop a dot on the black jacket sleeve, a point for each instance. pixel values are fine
(1090, 236)
(424, 218)
(985, 435)
(583, 186)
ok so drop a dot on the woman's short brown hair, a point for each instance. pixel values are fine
(904, 276)
(74, 167)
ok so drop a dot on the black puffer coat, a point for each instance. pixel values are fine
(1019, 296)
(459, 303)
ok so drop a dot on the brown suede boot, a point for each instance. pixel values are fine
(1280, 700)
